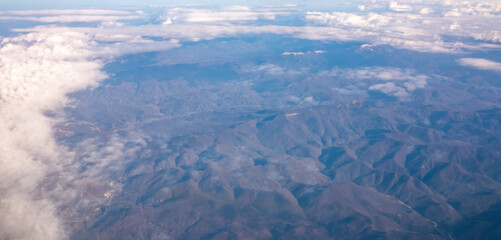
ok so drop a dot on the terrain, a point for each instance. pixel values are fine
(278, 146)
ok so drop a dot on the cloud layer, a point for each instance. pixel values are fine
(418, 31)
(70, 15)
(416, 26)
(37, 71)
(38, 176)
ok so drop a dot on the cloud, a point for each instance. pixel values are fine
(293, 53)
(271, 70)
(390, 88)
(416, 25)
(90, 179)
(39, 176)
(302, 53)
(400, 83)
(399, 30)
(425, 11)
(381, 73)
(229, 14)
(480, 63)
(110, 156)
(37, 71)
(417, 29)
(371, 20)
(399, 7)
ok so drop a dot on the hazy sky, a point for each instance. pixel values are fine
(50, 4)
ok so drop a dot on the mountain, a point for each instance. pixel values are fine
(284, 155)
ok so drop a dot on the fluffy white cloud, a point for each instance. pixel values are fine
(233, 13)
(480, 63)
(37, 71)
(390, 88)
(399, 7)
(371, 20)
(407, 31)
(418, 25)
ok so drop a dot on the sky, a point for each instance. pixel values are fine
(60, 4)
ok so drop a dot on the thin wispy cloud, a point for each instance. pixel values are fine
(70, 15)
(102, 12)
(70, 18)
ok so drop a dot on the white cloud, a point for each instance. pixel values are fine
(480, 63)
(425, 11)
(109, 157)
(399, 7)
(371, 20)
(395, 82)
(381, 73)
(418, 26)
(96, 163)
(233, 13)
(486, 9)
(411, 27)
(37, 71)
(293, 53)
(271, 70)
(390, 88)
(302, 53)
(416, 30)
(406, 31)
